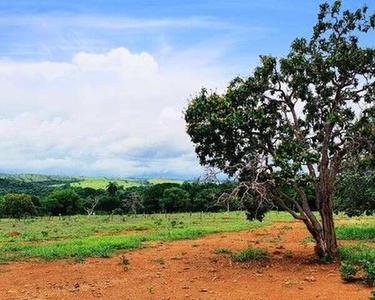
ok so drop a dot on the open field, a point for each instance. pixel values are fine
(82, 236)
(101, 182)
(176, 259)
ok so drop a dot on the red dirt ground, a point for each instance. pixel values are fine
(190, 271)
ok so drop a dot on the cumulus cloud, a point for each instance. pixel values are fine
(116, 113)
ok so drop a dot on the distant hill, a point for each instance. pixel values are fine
(38, 178)
(30, 183)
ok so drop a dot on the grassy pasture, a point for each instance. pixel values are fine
(101, 182)
(83, 236)
(164, 180)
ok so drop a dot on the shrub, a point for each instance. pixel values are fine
(249, 254)
(369, 269)
(348, 271)
(222, 250)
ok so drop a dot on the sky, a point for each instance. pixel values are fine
(99, 87)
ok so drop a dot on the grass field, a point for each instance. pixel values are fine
(83, 236)
(101, 182)
(164, 180)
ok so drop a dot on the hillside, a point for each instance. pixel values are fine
(25, 183)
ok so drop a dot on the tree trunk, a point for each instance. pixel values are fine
(326, 241)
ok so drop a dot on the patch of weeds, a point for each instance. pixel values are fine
(160, 261)
(307, 240)
(348, 271)
(223, 250)
(125, 261)
(372, 297)
(359, 259)
(369, 269)
(250, 254)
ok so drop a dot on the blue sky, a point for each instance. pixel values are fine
(98, 87)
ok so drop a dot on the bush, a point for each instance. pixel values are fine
(358, 259)
(369, 269)
(249, 254)
(348, 271)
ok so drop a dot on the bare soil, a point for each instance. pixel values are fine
(189, 269)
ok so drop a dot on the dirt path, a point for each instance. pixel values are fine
(189, 270)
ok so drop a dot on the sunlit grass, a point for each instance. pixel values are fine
(100, 235)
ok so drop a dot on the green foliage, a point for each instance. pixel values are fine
(175, 199)
(153, 195)
(363, 231)
(348, 271)
(249, 254)
(355, 192)
(294, 120)
(17, 206)
(369, 268)
(358, 258)
(63, 202)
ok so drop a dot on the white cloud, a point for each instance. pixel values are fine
(115, 113)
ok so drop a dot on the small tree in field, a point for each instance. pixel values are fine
(90, 204)
(291, 124)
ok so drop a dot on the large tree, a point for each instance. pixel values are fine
(292, 123)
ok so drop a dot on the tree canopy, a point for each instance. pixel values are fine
(292, 123)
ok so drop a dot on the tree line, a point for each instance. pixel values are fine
(355, 195)
(32, 200)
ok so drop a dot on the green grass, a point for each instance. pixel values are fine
(250, 253)
(82, 236)
(164, 180)
(101, 182)
(359, 252)
(359, 231)
(223, 250)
